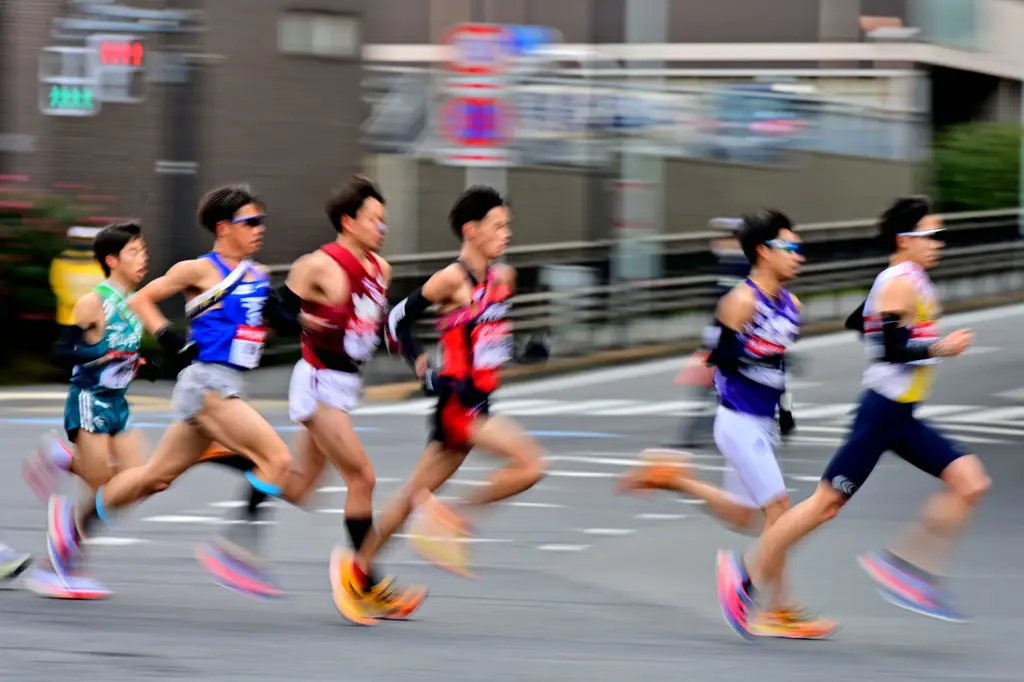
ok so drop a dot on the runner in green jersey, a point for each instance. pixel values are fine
(102, 350)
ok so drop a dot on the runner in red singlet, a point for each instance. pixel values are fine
(472, 296)
(342, 289)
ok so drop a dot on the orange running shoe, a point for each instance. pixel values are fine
(441, 536)
(658, 470)
(793, 623)
(350, 598)
(390, 602)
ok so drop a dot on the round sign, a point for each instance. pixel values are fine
(479, 49)
(476, 121)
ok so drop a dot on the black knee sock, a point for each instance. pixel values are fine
(358, 529)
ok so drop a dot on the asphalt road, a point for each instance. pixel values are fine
(575, 583)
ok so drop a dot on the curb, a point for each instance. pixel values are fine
(411, 389)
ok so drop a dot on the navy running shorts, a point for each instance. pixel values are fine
(882, 425)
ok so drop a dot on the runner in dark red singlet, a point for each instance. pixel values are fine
(472, 296)
(338, 295)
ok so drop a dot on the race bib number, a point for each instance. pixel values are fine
(360, 346)
(492, 345)
(247, 347)
(119, 372)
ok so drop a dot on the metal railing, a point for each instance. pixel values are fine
(618, 303)
(425, 264)
(603, 317)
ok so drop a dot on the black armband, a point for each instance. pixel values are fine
(726, 353)
(69, 350)
(896, 338)
(398, 335)
(535, 350)
(282, 309)
(173, 341)
(855, 322)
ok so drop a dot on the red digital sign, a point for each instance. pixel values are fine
(122, 53)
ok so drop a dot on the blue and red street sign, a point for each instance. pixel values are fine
(476, 121)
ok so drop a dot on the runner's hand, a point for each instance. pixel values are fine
(422, 366)
(956, 343)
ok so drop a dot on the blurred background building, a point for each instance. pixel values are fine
(630, 118)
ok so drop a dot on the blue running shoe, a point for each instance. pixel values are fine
(46, 583)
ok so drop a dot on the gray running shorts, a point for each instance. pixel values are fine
(200, 378)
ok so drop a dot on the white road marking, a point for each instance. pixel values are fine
(175, 518)
(535, 505)
(1012, 394)
(556, 547)
(113, 541)
(667, 407)
(660, 517)
(991, 415)
(809, 411)
(607, 531)
(468, 541)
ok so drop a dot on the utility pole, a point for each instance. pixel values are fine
(181, 148)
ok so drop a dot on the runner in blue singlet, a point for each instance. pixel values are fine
(229, 302)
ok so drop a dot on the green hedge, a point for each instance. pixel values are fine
(976, 167)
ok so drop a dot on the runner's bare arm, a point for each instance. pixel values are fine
(181, 277)
(73, 347)
(439, 289)
(385, 271)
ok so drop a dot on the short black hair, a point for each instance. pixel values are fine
(903, 216)
(348, 199)
(223, 203)
(112, 239)
(755, 230)
(474, 204)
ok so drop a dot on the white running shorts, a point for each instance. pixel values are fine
(310, 387)
(753, 477)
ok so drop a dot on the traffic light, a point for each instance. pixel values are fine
(121, 53)
(70, 98)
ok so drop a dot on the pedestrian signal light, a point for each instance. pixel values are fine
(121, 53)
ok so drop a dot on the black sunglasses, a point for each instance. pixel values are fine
(251, 221)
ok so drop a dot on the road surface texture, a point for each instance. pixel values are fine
(575, 583)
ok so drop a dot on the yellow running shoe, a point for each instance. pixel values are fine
(657, 470)
(793, 623)
(350, 598)
(441, 536)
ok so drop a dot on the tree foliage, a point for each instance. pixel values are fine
(976, 167)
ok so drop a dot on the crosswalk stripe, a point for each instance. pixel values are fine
(808, 411)
(991, 415)
(414, 407)
(937, 411)
(558, 407)
(668, 407)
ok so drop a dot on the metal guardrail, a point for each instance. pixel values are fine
(601, 304)
(425, 264)
(614, 307)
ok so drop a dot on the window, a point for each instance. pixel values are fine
(318, 34)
